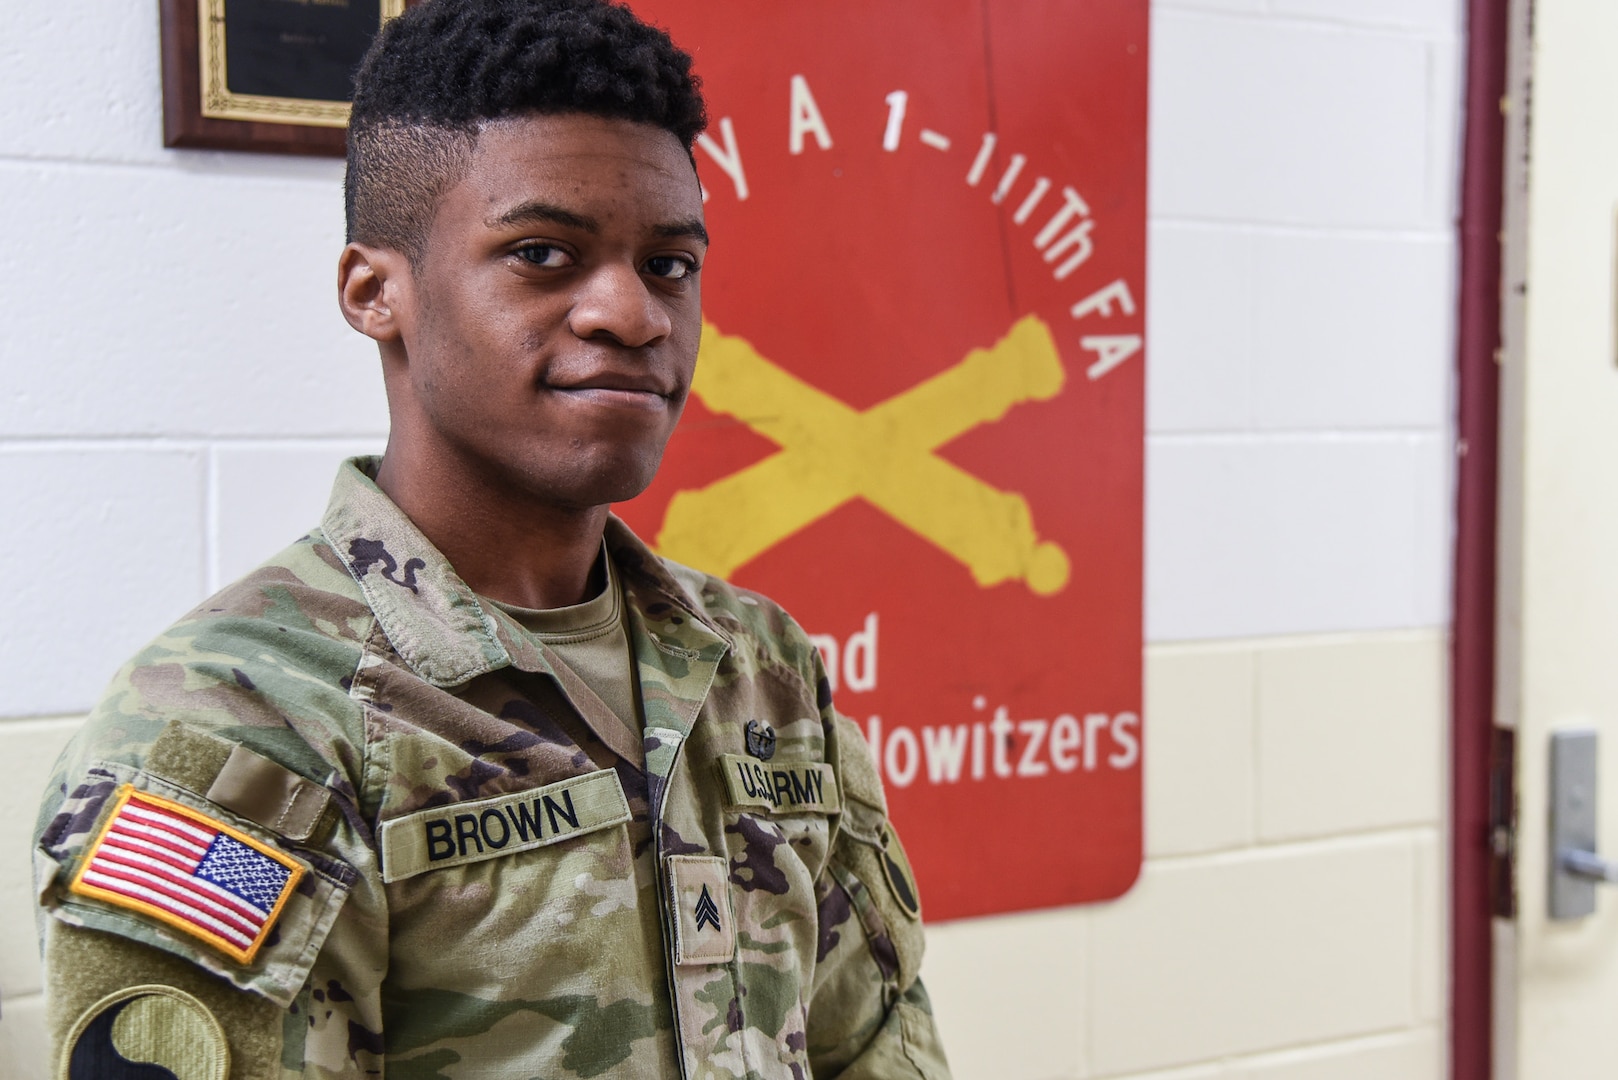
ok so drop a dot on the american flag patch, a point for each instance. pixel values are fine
(185, 869)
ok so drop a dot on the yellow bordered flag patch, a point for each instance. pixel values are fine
(188, 871)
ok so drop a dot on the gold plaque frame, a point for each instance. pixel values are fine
(201, 112)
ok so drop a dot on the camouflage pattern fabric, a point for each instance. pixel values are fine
(492, 888)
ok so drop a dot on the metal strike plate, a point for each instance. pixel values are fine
(1576, 867)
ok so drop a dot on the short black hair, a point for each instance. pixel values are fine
(436, 73)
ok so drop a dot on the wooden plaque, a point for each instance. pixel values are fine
(265, 75)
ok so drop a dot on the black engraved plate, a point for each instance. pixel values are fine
(307, 49)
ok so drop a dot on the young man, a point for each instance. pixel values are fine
(468, 782)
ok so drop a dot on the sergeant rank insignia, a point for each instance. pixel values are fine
(699, 905)
(189, 871)
(707, 912)
(760, 740)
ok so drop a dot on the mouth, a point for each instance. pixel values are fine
(615, 390)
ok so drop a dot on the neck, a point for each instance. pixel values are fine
(504, 542)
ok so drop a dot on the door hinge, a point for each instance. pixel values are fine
(1503, 823)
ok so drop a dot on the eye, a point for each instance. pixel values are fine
(548, 256)
(672, 267)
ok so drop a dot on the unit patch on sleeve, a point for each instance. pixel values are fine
(188, 870)
(146, 1033)
(501, 825)
(896, 868)
(784, 787)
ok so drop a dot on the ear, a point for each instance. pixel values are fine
(374, 289)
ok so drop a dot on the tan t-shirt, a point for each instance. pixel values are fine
(590, 638)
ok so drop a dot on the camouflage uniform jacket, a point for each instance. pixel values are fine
(490, 885)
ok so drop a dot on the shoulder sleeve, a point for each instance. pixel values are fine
(869, 1015)
(216, 873)
(203, 832)
(205, 850)
(183, 1019)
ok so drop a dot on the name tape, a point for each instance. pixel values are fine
(502, 825)
(781, 787)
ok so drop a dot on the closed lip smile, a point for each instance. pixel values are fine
(615, 388)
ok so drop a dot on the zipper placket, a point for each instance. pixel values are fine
(664, 914)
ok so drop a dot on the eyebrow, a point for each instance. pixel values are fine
(681, 229)
(541, 213)
(534, 213)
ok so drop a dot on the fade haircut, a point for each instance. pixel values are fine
(437, 73)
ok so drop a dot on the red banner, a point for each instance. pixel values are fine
(918, 414)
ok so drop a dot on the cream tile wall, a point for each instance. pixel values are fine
(1284, 926)
(176, 386)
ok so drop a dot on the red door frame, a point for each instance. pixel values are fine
(1476, 749)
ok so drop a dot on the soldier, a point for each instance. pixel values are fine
(467, 782)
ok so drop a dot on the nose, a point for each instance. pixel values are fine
(615, 302)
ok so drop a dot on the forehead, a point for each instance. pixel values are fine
(592, 164)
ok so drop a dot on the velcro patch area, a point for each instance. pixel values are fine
(781, 787)
(699, 898)
(189, 871)
(501, 825)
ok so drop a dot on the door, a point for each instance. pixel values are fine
(1556, 980)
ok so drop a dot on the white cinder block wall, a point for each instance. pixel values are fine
(176, 384)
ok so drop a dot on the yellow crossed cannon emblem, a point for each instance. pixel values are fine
(830, 454)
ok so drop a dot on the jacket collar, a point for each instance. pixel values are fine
(435, 621)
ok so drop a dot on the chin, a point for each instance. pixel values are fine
(600, 483)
